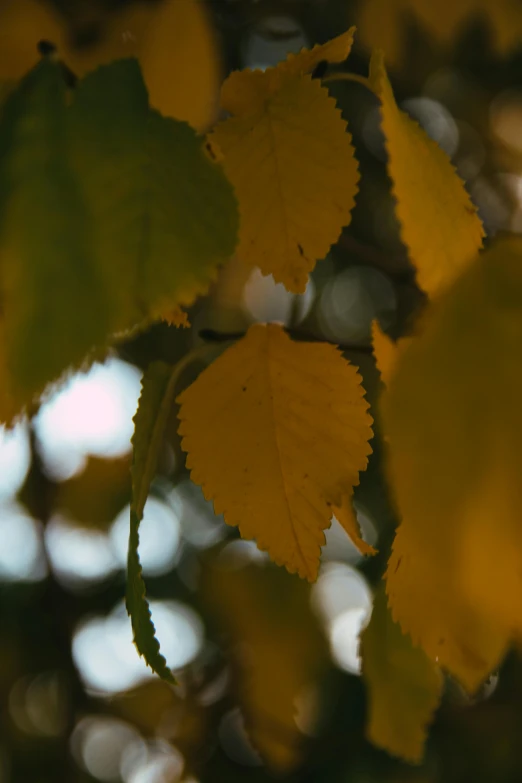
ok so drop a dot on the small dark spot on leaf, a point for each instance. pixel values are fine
(244, 388)
(301, 251)
(305, 476)
(45, 48)
(399, 561)
(210, 150)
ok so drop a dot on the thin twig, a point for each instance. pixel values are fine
(343, 76)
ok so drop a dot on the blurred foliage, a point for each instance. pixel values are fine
(252, 611)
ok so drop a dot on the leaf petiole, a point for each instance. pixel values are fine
(349, 77)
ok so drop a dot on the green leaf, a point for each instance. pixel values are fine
(404, 686)
(165, 215)
(53, 305)
(151, 418)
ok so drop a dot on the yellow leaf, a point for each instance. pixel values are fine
(276, 431)
(246, 90)
(491, 545)
(183, 78)
(404, 686)
(454, 421)
(439, 224)
(277, 653)
(291, 161)
(175, 316)
(423, 592)
(23, 23)
(181, 62)
(334, 51)
(386, 352)
(345, 515)
(381, 22)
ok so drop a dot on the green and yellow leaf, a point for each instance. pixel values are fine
(439, 224)
(154, 408)
(276, 432)
(54, 306)
(164, 215)
(404, 687)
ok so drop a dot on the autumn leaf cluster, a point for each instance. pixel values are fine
(132, 213)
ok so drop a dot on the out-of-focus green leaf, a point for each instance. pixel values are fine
(165, 216)
(54, 308)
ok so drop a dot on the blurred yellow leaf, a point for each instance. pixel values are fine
(386, 351)
(347, 518)
(95, 496)
(423, 584)
(170, 38)
(23, 23)
(246, 90)
(439, 224)
(453, 416)
(277, 652)
(181, 62)
(381, 22)
(404, 686)
(291, 161)
(276, 432)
